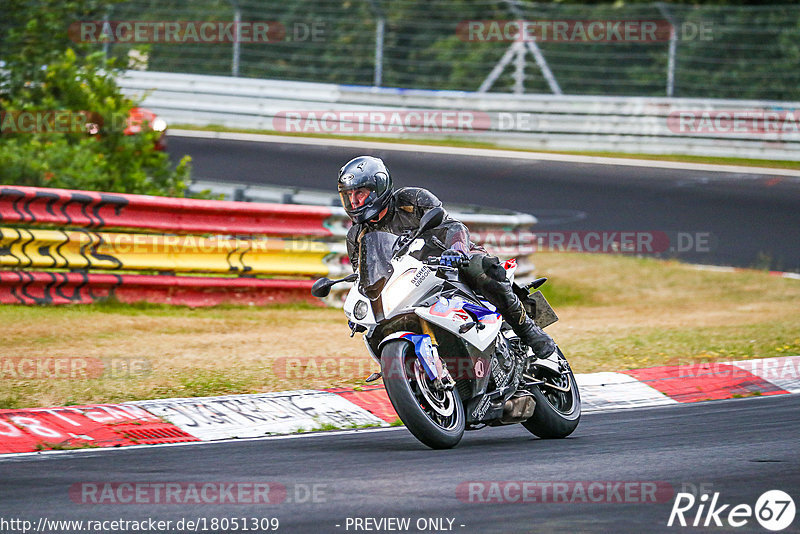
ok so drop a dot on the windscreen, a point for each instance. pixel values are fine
(375, 262)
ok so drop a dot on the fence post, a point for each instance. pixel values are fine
(379, 30)
(237, 22)
(519, 69)
(673, 46)
(380, 27)
(537, 53)
(105, 23)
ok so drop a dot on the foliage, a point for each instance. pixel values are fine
(45, 71)
(753, 50)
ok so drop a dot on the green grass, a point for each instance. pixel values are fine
(210, 383)
(10, 402)
(48, 446)
(453, 142)
(653, 346)
(569, 294)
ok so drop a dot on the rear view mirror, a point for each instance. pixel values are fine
(432, 218)
(322, 287)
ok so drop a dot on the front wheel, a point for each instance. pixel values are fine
(558, 405)
(435, 417)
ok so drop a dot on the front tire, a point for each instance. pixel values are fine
(436, 418)
(557, 412)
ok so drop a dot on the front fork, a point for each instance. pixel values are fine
(442, 380)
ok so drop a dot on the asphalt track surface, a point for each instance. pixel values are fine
(739, 448)
(742, 220)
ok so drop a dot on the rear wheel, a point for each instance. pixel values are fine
(558, 405)
(434, 416)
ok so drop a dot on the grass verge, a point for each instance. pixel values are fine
(616, 313)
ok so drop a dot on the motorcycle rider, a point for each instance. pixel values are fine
(365, 188)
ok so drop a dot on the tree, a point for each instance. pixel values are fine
(44, 72)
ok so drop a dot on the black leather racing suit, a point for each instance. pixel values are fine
(484, 273)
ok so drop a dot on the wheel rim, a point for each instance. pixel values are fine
(561, 401)
(439, 401)
(438, 406)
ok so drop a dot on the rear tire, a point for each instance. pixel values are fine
(557, 413)
(413, 406)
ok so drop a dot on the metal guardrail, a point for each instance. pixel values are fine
(543, 122)
(337, 223)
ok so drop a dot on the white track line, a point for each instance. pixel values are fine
(484, 152)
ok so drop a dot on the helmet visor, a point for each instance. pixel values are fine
(354, 199)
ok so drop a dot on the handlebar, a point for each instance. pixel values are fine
(433, 261)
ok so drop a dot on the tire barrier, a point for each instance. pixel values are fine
(60, 246)
(27, 287)
(56, 248)
(88, 209)
(82, 249)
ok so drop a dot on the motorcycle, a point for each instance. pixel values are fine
(448, 361)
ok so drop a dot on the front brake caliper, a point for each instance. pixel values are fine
(428, 356)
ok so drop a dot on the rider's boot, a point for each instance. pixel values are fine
(488, 275)
(537, 339)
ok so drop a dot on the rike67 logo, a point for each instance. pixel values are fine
(774, 510)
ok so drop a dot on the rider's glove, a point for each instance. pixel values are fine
(452, 258)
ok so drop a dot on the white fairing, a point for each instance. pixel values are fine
(350, 302)
(410, 281)
(447, 314)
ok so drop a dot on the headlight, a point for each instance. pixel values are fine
(397, 290)
(360, 310)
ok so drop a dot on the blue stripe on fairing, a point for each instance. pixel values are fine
(479, 311)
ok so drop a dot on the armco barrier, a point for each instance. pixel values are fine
(540, 122)
(487, 227)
